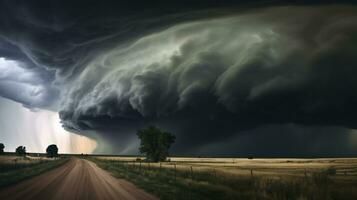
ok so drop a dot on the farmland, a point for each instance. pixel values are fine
(14, 169)
(238, 178)
(183, 178)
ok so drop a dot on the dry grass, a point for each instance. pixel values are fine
(8, 163)
(16, 168)
(21, 159)
(237, 178)
(345, 167)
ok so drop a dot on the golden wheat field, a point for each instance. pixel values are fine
(346, 168)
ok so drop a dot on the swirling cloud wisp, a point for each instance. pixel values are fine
(209, 74)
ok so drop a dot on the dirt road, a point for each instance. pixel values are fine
(76, 180)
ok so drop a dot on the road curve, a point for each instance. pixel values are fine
(78, 179)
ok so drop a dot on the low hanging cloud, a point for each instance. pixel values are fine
(206, 76)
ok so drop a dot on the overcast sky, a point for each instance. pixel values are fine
(232, 78)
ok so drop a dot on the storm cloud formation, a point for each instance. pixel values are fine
(213, 73)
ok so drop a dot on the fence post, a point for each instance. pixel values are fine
(140, 166)
(251, 173)
(175, 171)
(160, 166)
(191, 173)
(190, 195)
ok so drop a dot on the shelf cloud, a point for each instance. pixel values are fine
(212, 73)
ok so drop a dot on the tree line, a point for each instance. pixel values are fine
(154, 144)
(51, 150)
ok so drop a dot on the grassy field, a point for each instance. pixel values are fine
(232, 178)
(15, 168)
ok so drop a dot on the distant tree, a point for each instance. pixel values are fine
(155, 143)
(21, 150)
(2, 147)
(52, 150)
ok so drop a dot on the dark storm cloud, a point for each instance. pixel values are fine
(296, 140)
(206, 71)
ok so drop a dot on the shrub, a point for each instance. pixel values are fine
(330, 171)
(21, 151)
(52, 150)
(2, 147)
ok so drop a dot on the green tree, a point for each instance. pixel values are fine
(155, 143)
(21, 150)
(2, 147)
(52, 150)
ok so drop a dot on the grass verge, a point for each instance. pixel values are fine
(11, 174)
(190, 184)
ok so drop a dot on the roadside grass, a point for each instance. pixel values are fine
(9, 163)
(24, 168)
(188, 184)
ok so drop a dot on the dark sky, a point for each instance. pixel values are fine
(257, 78)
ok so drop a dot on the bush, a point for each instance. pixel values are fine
(52, 150)
(330, 171)
(2, 147)
(21, 151)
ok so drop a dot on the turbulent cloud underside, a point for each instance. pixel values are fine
(210, 78)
